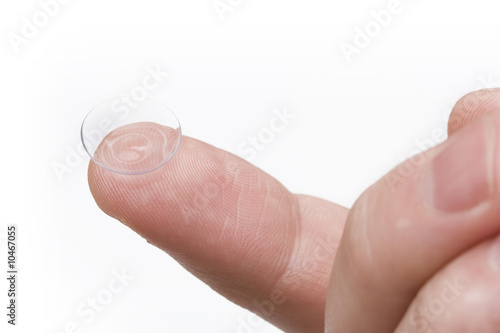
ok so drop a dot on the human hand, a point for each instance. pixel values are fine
(272, 252)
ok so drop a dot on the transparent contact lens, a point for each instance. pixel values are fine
(129, 136)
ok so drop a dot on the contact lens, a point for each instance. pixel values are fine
(129, 136)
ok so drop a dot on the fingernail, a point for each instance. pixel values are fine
(495, 255)
(460, 176)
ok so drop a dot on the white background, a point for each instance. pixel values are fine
(355, 122)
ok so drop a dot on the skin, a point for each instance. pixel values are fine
(309, 265)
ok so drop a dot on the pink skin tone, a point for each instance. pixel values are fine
(308, 265)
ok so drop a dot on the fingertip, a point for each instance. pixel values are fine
(473, 106)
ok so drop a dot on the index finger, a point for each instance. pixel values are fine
(233, 226)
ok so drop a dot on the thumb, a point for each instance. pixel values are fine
(473, 106)
(409, 225)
